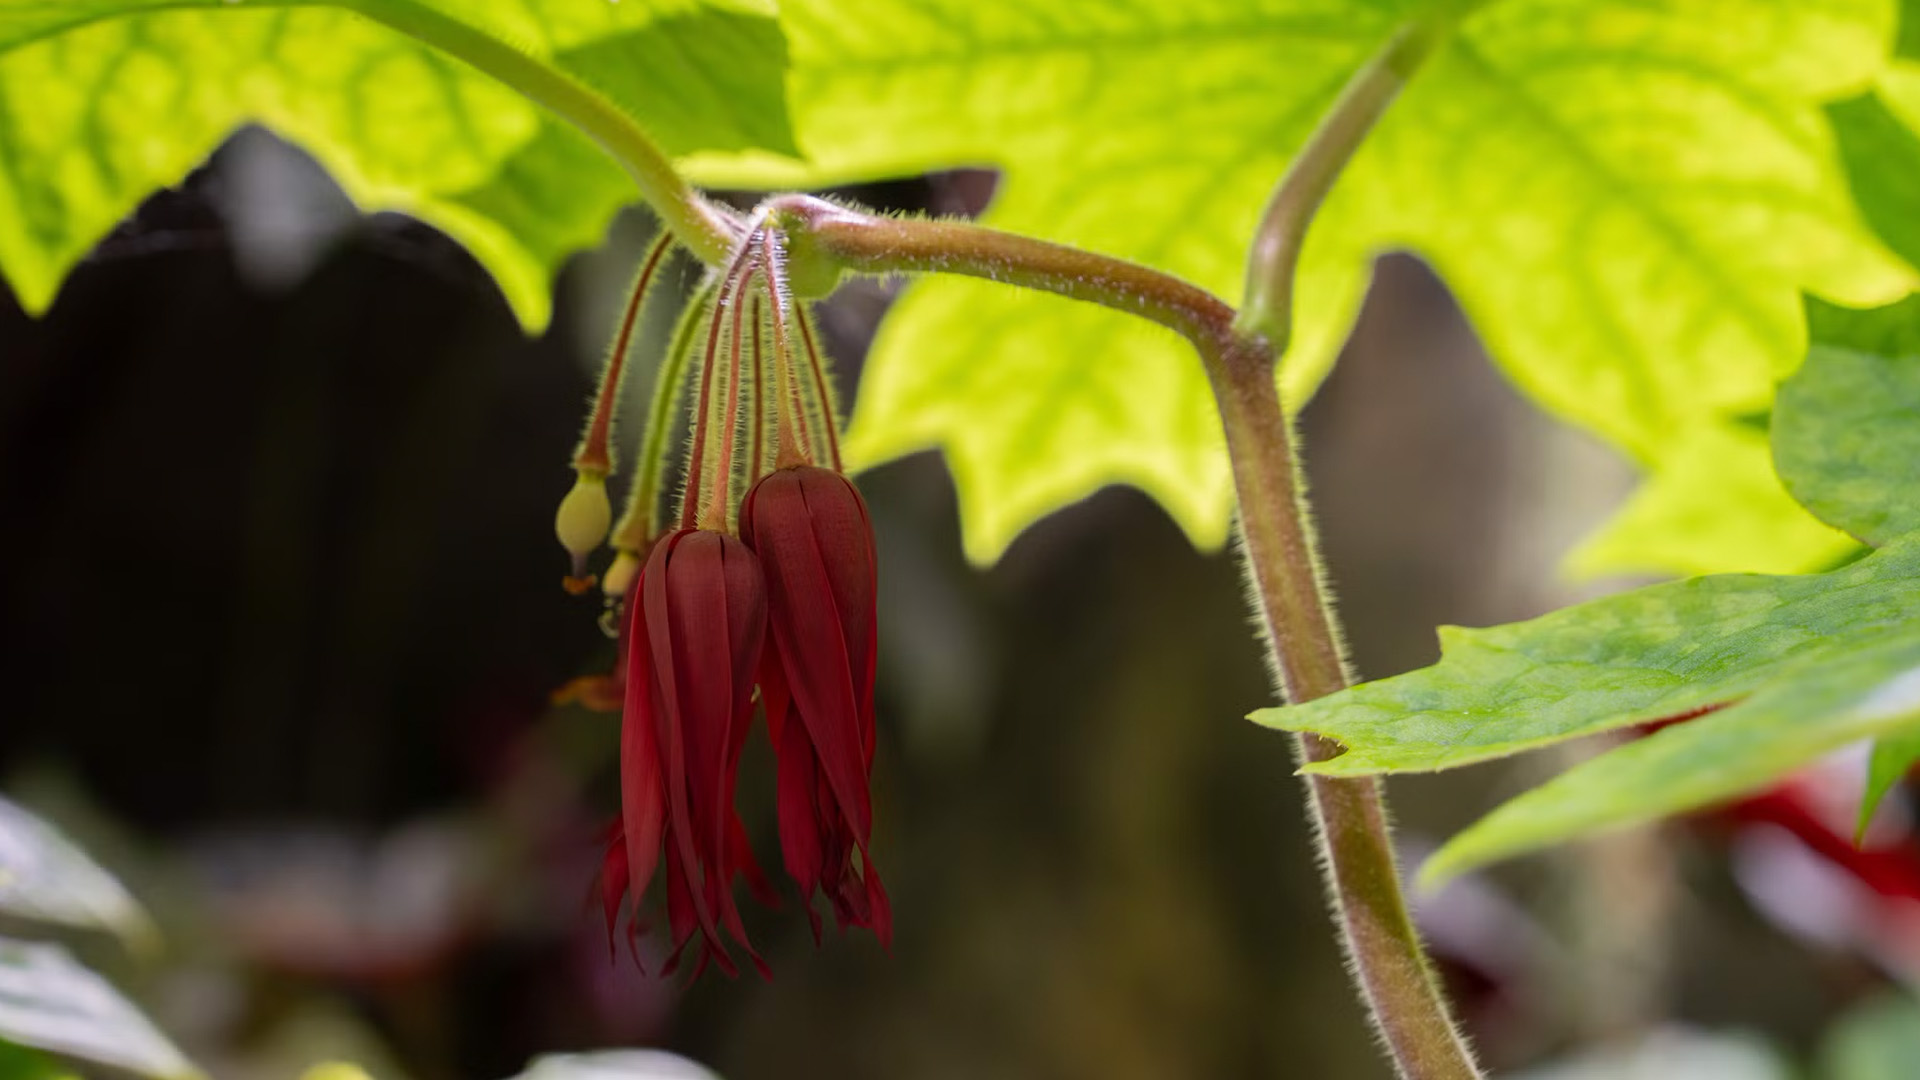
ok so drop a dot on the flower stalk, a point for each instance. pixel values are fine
(719, 507)
(794, 439)
(595, 452)
(586, 514)
(639, 524)
(757, 462)
(705, 406)
(823, 409)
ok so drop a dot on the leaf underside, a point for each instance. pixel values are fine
(1804, 664)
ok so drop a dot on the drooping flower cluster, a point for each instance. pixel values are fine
(774, 591)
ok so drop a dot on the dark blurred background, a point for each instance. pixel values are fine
(280, 620)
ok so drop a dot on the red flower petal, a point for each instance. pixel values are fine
(811, 530)
(694, 640)
(787, 529)
(613, 882)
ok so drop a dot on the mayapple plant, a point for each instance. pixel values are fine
(1648, 209)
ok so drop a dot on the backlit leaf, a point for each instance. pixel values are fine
(102, 101)
(1715, 504)
(1626, 197)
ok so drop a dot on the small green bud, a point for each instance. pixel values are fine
(619, 577)
(583, 521)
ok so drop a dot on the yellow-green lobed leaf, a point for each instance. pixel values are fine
(1627, 198)
(1715, 505)
(102, 101)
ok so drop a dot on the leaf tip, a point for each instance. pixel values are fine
(1433, 876)
(1446, 865)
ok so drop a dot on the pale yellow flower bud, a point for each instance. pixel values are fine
(619, 577)
(583, 521)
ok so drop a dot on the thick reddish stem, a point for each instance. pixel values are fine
(690, 505)
(594, 453)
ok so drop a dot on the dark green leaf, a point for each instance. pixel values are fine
(1809, 708)
(1611, 663)
(1803, 664)
(21, 1063)
(1882, 158)
(1847, 425)
(1893, 754)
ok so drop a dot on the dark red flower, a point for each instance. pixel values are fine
(694, 638)
(810, 528)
